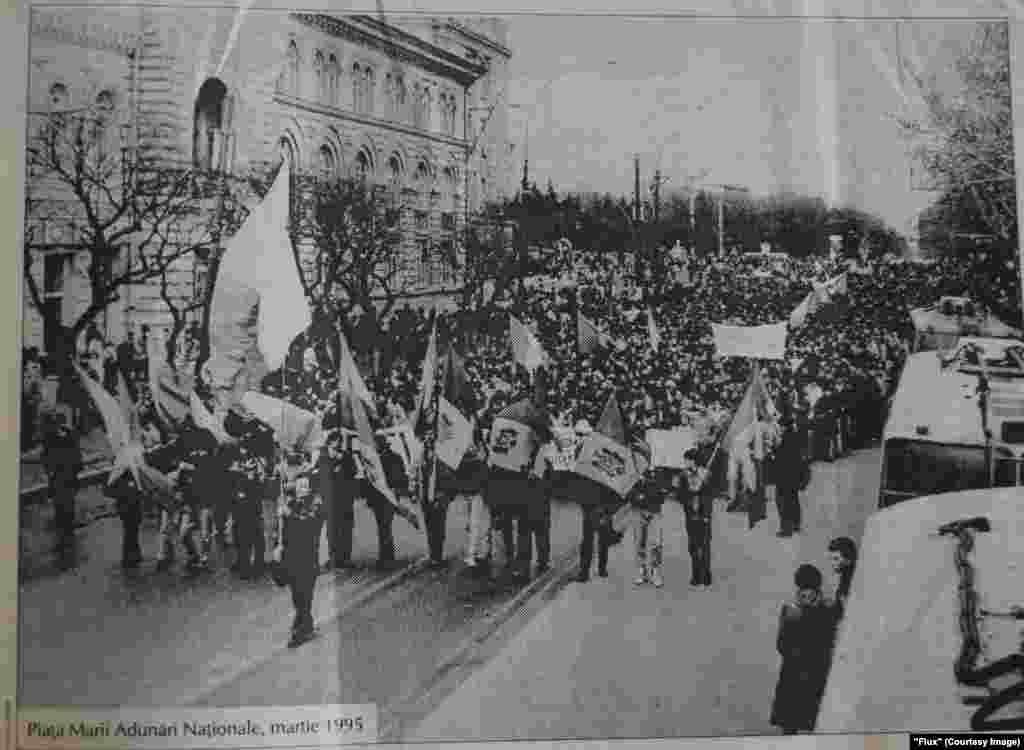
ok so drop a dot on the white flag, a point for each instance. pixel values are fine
(349, 378)
(799, 316)
(652, 330)
(258, 280)
(454, 434)
(526, 349)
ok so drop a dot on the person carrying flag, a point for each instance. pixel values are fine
(646, 500)
(249, 462)
(479, 547)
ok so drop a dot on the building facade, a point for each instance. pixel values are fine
(413, 106)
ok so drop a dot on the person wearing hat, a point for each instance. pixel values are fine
(62, 460)
(805, 639)
(297, 553)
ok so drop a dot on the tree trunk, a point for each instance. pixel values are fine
(204, 328)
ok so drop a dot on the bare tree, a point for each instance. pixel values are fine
(967, 142)
(131, 220)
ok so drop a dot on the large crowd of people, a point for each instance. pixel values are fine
(829, 395)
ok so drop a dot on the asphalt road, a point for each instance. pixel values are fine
(100, 636)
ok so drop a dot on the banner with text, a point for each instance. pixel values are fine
(185, 728)
(755, 342)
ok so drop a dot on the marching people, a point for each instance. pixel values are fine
(298, 551)
(791, 474)
(694, 495)
(598, 512)
(62, 460)
(805, 640)
(537, 518)
(480, 544)
(249, 462)
(339, 484)
(646, 500)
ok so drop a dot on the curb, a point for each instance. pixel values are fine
(371, 592)
(463, 659)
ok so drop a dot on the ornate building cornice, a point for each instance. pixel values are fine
(91, 35)
(402, 45)
(473, 36)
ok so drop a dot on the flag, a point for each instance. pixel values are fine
(259, 304)
(454, 434)
(669, 446)
(526, 349)
(427, 380)
(756, 342)
(128, 452)
(170, 393)
(589, 337)
(455, 408)
(607, 455)
(516, 433)
(294, 428)
(205, 420)
(349, 378)
(652, 330)
(364, 448)
(115, 422)
(799, 315)
(756, 403)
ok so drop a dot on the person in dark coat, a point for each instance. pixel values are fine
(62, 460)
(249, 462)
(339, 484)
(698, 505)
(598, 511)
(297, 553)
(383, 510)
(806, 635)
(791, 474)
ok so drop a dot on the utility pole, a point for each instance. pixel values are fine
(721, 224)
(657, 194)
(637, 206)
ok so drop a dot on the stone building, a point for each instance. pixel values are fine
(415, 106)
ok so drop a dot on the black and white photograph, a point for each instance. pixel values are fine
(524, 376)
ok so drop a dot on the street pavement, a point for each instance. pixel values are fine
(608, 659)
(99, 636)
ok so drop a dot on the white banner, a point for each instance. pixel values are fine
(668, 446)
(756, 342)
(185, 728)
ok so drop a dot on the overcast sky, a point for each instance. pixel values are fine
(770, 104)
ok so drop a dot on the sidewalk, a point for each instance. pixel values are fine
(611, 660)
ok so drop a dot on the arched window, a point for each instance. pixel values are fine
(208, 124)
(290, 77)
(368, 85)
(286, 152)
(333, 79)
(427, 107)
(361, 166)
(327, 164)
(320, 75)
(357, 87)
(400, 97)
(452, 111)
(417, 106)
